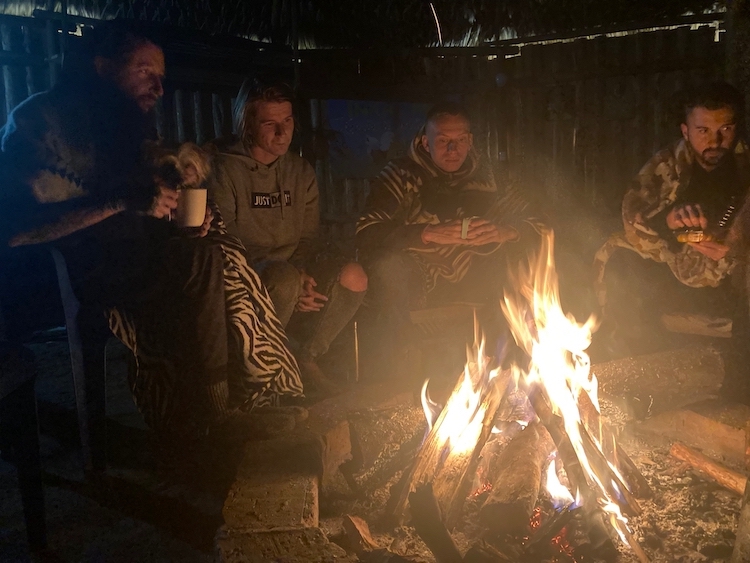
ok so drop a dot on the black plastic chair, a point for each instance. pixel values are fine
(87, 334)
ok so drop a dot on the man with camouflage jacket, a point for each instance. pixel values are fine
(681, 210)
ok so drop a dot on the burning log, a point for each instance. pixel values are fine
(428, 523)
(597, 427)
(358, 534)
(449, 467)
(540, 541)
(611, 482)
(482, 552)
(723, 475)
(508, 508)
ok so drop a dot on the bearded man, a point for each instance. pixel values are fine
(79, 177)
(680, 214)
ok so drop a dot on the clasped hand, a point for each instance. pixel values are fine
(480, 231)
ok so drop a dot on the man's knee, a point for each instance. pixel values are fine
(387, 266)
(353, 277)
(282, 281)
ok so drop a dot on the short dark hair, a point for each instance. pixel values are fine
(713, 96)
(442, 109)
(256, 89)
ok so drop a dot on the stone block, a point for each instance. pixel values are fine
(308, 545)
(272, 501)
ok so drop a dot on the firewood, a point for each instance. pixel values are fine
(741, 551)
(565, 450)
(427, 521)
(508, 508)
(616, 490)
(358, 534)
(445, 467)
(723, 475)
(495, 396)
(539, 543)
(482, 552)
(597, 427)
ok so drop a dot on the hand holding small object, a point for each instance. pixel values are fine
(713, 250)
(686, 217)
(470, 231)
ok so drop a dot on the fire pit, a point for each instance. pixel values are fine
(522, 463)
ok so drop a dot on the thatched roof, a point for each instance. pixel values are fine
(378, 23)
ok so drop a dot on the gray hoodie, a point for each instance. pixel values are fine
(273, 209)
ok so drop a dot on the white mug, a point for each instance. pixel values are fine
(191, 207)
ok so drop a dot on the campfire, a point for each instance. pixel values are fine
(524, 440)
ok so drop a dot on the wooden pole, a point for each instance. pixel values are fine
(723, 475)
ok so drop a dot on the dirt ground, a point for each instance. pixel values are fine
(689, 520)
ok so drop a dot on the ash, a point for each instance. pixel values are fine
(690, 519)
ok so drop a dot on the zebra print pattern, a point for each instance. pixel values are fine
(398, 198)
(261, 367)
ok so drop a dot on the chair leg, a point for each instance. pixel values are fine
(87, 339)
(19, 421)
(94, 368)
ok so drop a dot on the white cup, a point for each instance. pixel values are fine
(191, 207)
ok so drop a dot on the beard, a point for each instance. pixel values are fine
(711, 157)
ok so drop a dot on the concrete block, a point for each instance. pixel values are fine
(272, 501)
(308, 545)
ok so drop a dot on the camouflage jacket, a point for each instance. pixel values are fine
(656, 187)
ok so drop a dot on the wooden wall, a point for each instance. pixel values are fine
(591, 112)
(569, 120)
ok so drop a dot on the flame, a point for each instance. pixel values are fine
(559, 493)
(556, 345)
(431, 408)
(464, 412)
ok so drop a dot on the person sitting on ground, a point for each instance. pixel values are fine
(679, 214)
(82, 173)
(436, 229)
(268, 197)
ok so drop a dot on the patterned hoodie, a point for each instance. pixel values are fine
(412, 192)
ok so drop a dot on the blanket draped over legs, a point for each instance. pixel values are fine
(260, 366)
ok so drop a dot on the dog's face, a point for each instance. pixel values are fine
(188, 167)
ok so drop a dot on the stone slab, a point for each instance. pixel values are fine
(329, 420)
(308, 545)
(272, 501)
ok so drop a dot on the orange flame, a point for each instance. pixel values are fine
(556, 344)
(464, 412)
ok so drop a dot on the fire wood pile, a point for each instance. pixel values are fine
(561, 487)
